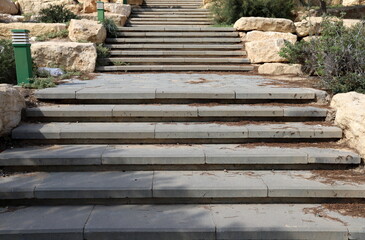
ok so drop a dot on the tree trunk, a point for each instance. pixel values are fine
(323, 5)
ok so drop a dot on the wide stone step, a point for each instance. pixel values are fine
(163, 93)
(181, 186)
(170, 112)
(169, 15)
(150, 132)
(173, 40)
(209, 222)
(142, 68)
(164, 23)
(177, 34)
(174, 29)
(168, 10)
(223, 47)
(176, 53)
(160, 19)
(147, 157)
(177, 60)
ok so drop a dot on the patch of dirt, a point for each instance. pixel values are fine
(291, 81)
(321, 212)
(350, 176)
(200, 81)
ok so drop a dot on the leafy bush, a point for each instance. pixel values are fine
(111, 27)
(56, 14)
(229, 11)
(47, 36)
(40, 83)
(102, 52)
(337, 56)
(7, 63)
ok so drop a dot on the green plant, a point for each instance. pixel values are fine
(337, 56)
(47, 36)
(56, 14)
(111, 27)
(7, 62)
(229, 11)
(40, 83)
(102, 52)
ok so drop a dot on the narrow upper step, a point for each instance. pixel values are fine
(209, 222)
(172, 132)
(172, 155)
(186, 67)
(191, 186)
(180, 29)
(210, 47)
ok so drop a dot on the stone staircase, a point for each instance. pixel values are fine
(174, 36)
(108, 162)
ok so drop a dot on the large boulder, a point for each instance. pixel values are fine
(265, 51)
(350, 116)
(352, 2)
(11, 105)
(8, 7)
(34, 6)
(36, 29)
(265, 24)
(7, 18)
(346, 22)
(72, 56)
(260, 36)
(119, 19)
(89, 6)
(280, 69)
(118, 8)
(307, 28)
(86, 30)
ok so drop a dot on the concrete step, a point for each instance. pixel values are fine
(161, 19)
(254, 94)
(169, 15)
(169, 157)
(180, 186)
(168, 10)
(185, 132)
(173, 40)
(176, 53)
(140, 46)
(175, 68)
(170, 112)
(164, 23)
(209, 222)
(177, 34)
(174, 29)
(178, 60)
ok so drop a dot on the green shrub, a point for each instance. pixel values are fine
(7, 63)
(229, 11)
(40, 83)
(102, 52)
(47, 36)
(337, 56)
(56, 14)
(111, 27)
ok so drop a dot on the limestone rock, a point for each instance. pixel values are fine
(265, 24)
(350, 117)
(134, 2)
(260, 36)
(34, 6)
(352, 2)
(310, 38)
(89, 6)
(86, 30)
(72, 56)
(119, 19)
(347, 22)
(306, 28)
(280, 69)
(7, 18)
(118, 8)
(35, 29)
(8, 7)
(11, 104)
(266, 51)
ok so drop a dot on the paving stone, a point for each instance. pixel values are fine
(107, 130)
(281, 221)
(20, 186)
(207, 184)
(194, 94)
(275, 93)
(305, 112)
(44, 223)
(155, 111)
(116, 93)
(71, 111)
(153, 222)
(300, 184)
(334, 156)
(234, 154)
(193, 131)
(57, 93)
(38, 131)
(153, 154)
(240, 111)
(58, 155)
(94, 185)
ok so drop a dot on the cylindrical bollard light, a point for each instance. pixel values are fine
(23, 56)
(101, 13)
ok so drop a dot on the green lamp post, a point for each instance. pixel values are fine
(125, 1)
(101, 13)
(23, 57)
